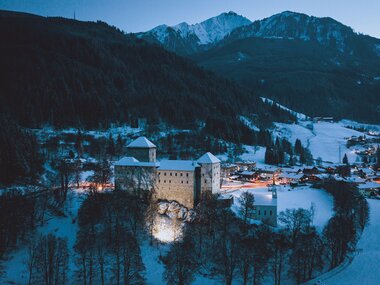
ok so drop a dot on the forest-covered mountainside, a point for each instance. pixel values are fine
(313, 65)
(84, 74)
(303, 75)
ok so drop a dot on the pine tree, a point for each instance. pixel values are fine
(298, 147)
(345, 159)
(111, 146)
(119, 145)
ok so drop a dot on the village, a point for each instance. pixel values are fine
(184, 181)
(178, 187)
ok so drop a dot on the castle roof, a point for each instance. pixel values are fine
(208, 158)
(141, 142)
(181, 165)
(131, 161)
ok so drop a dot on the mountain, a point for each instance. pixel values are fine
(291, 25)
(317, 66)
(68, 73)
(186, 39)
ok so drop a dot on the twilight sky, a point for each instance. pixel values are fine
(142, 15)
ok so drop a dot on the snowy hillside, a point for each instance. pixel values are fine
(299, 116)
(324, 139)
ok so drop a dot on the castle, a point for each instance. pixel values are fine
(183, 181)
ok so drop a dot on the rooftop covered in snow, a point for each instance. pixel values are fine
(131, 161)
(181, 165)
(208, 158)
(141, 142)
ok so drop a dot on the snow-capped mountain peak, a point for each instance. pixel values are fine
(207, 32)
(216, 28)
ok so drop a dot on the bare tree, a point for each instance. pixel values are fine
(180, 263)
(296, 221)
(247, 208)
(51, 260)
(280, 245)
(226, 248)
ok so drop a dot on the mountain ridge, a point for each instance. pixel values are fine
(314, 65)
(190, 38)
(67, 73)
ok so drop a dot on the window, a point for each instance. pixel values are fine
(170, 181)
(205, 181)
(203, 174)
(265, 213)
(187, 182)
(164, 181)
(270, 212)
(176, 174)
(159, 181)
(159, 173)
(164, 173)
(182, 181)
(187, 174)
(181, 174)
(170, 174)
(259, 212)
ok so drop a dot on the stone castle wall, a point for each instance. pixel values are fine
(133, 179)
(210, 177)
(175, 185)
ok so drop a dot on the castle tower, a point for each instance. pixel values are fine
(210, 173)
(142, 149)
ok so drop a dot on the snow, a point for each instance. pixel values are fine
(369, 185)
(299, 116)
(131, 161)
(151, 259)
(15, 269)
(45, 133)
(249, 123)
(141, 142)
(369, 127)
(208, 158)
(181, 165)
(324, 140)
(127, 161)
(208, 31)
(365, 268)
(213, 29)
(301, 197)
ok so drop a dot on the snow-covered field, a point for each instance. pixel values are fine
(302, 197)
(365, 268)
(324, 140)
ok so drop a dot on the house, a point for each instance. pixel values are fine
(369, 188)
(311, 171)
(287, 178)
(228, 169)
(183, 181)
(247, 175)
(245, 165)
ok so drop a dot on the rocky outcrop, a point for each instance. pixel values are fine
(173, 209)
